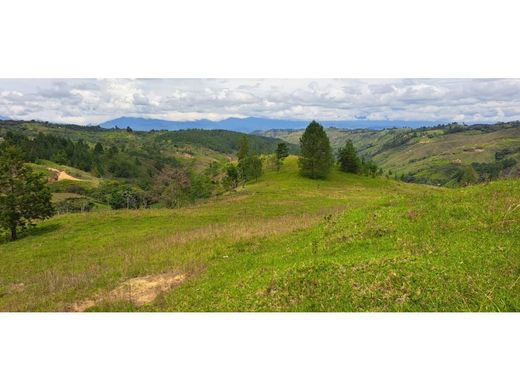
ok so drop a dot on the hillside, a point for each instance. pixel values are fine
(151, 168)
(451, 155)
(285, 243)
(221, 141)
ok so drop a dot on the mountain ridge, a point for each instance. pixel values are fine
(251, 124)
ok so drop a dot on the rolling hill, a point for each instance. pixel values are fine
(130, 168)
(194, 149)
(440, 155)
(284, 243)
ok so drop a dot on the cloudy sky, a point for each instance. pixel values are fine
(85, 101)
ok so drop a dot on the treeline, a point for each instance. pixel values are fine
(222, 141)
(100, 160)
(20, 125)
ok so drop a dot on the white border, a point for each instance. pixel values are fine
(259, 351)
(269, 38)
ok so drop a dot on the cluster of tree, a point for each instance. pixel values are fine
(99, 160)
(503, 153)
(175, 187)
(171, 187)
(120, 195)
(491, 171)
(219, 140)
(48, 147)
(249, 163)
(275, 160)
(349, 161)
(249, 166)
(316, 157)
(74, 205)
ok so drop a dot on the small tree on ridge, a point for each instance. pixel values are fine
(316, 155)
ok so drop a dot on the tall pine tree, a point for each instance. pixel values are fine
(249, 164)
(348, 159)
(243, 150)
(280, 154)
(316, 155)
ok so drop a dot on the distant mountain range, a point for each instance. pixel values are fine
(252, 124)
(3, 118)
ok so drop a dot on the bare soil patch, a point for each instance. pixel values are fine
(61, 175)
(140, 291)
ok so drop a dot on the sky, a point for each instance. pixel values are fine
(92, 101)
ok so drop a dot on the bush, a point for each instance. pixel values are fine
(74, 205)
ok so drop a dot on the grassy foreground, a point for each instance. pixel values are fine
(284, 243)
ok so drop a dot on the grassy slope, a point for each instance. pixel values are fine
(286, 243)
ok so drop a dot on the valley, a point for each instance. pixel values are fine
(128, 236)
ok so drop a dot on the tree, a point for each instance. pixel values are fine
(316, 155)
(348, 159)
(281, 153)
(254, 167)
(171, 187)
(23, 194)
(243, 150)
(98, 149)
(249, 164)
(231, 179)
(242, 156)
(368, 167)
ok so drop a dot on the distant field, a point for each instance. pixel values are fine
(285, 243)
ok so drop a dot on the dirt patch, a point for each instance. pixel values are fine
(412, 214)
(145, 289)
(140, 291)
(473, 150)
(58, 175)
(17, 288)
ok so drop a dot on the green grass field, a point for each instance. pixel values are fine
(285, 243)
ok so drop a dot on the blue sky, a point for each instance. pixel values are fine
(85, 101)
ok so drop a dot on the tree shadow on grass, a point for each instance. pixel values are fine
(31, 232)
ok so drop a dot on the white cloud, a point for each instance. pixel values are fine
(92, 101)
